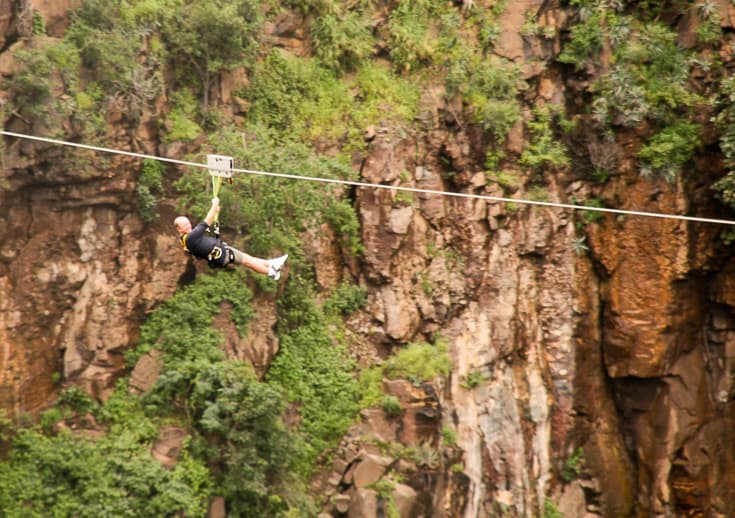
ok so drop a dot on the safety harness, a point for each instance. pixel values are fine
(215, 255)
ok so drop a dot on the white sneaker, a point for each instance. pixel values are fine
(275, 266)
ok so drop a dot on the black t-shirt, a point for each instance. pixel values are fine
(198, 242)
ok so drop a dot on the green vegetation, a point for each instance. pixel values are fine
(208, 37)
(237, 420)
(648, 78)
(666, 152)
(315, 371)
(551, 510)
(240, 432)
(384, 488)
(587, 217)
(725, 122)
(345, 299)
(424, 455)
(579, 245)
(150, 185)
(342, 41)
(543, 150)
(449, 436)
(473, 379)
(709, 31)
(181, 327)
(39, 26)
(42, 71)
(301, 99)
(410, 28)
(491, 91)
(488, 85)
(181, 124)
(391, 406)
(573, 465)
(419, 362)
(587, 36)
(68, 476)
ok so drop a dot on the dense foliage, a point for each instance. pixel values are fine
(63, 475)
(647, 83)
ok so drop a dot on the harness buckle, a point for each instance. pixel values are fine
(215, 254)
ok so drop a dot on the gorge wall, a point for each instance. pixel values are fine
(623, 352)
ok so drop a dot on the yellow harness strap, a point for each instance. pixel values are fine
(182, 242)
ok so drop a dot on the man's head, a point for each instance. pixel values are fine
(183, 225)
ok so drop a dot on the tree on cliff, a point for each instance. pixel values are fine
(209, 37)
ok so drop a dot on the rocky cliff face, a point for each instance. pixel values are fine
(619, 356)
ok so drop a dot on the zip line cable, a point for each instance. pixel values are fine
(497, 199)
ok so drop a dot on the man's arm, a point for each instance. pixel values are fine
(213, 212)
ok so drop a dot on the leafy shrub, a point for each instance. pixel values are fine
(345, 299)
(543, 150)
(449, 435)
(181, 326)
(151, 175)
(236, 420)
(381, 97)
(342, 41)
(207, 37)
(425, 455)
(49, 67)
(318, 7)
(76, 399)
(709, 31)
(591, 216)
(68, 476)
(315, 372)
(371, 388)
(489, 86)
(39, 26)
(30, 86)
(242, 434)
(108, 47)
(125, 414)
(419, 362)
(551, 510)
(473, 379)
(181, 123)
(573, 466)
(301, 100)
(579, 245)
(667, 151)
(391, 406)
(298, 98)
(648, 77)
(49, 418)
(150, 184)
(587, 36)
(492, 92)
(725, 188)
(725, 122)
(409, 38)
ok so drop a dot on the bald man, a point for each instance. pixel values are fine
(218, 253)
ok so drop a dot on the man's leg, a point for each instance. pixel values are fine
(271, 267)
(254, 263)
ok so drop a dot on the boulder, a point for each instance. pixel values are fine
(370, 469)
(363, 504)
(405, 499)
